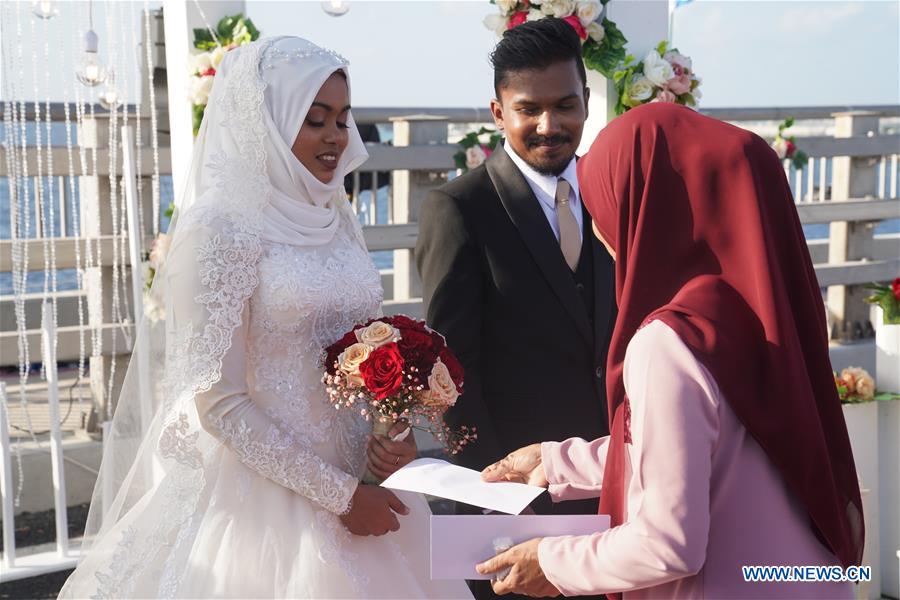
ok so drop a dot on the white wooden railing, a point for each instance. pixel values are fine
(860, 160)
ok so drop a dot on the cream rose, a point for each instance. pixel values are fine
(506, 6)
(442, 391)
(865, 386)
(474, 157)
(558, 8)
(201, 62)
(641, 89)
(535, 14)
(496, 23)
(588, 11)
(377, 334)
(596, 32)
(200, 89)
(349, 361)
(657, 69)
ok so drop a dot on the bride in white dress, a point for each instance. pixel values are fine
(227, 473)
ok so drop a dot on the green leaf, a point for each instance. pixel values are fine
(662, 47)
(460, 159)
(202, 38)
(789, 122)
(254, 32)
(197, 111)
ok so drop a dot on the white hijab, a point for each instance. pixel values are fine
(302, 211)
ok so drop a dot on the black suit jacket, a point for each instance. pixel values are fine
(496, 284)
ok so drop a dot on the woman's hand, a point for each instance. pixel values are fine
(372, 511)
(525, 577)
(522, 466)
(386, 456)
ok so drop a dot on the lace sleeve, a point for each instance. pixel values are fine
(228, 412)
(226, 409)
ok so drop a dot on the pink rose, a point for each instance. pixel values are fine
(665, 96)
(517, 19)
(680, 84)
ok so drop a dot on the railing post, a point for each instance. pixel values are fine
(6, 485)
(60, 505)
(408, 192)
(852, 177)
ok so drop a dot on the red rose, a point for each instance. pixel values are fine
(517, 19)
(895, 287)
(333, 351)
(418, 351)
(210, 72)
(790, 148)
(577, 26)
(382, 372)
(456, 370)
(404, 322)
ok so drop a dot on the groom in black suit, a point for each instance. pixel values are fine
(511, 272)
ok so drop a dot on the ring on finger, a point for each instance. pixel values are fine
(397, 462)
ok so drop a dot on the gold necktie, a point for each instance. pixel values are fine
(569, 236)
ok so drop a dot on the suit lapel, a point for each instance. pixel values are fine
(604, 297)
(529, 219)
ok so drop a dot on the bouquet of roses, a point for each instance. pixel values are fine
(397, 368)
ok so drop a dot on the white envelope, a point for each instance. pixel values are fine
(440, 478)
(459, 542)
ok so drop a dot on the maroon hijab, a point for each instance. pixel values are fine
(708, 241)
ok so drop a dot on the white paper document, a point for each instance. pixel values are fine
(459, 542)
(440, 478)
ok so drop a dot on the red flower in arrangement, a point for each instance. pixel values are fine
(383, 371)
(404, 322)
(790, 148)
(575, 22)
(895, 287)
(517, 19)
(418, 350)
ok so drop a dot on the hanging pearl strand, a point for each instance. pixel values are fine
(95, 249)
(20, 245)
(138, 126)
(10, 143)
(112, 149)
(154, 137)
(123, 201)
(51, 180)
(75, 211)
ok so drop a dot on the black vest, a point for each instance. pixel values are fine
(584, 274)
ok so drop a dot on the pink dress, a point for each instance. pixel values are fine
(703, 499)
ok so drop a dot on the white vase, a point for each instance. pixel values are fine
(887, 353)
(862, 427)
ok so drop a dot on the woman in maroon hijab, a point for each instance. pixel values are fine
(728, 444)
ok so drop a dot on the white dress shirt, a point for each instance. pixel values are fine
(544, 188)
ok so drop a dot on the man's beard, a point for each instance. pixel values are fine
(550, 167)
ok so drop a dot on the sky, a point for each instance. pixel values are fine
(435, 54)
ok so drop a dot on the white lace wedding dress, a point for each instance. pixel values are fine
(289, 462)
(225, 469)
